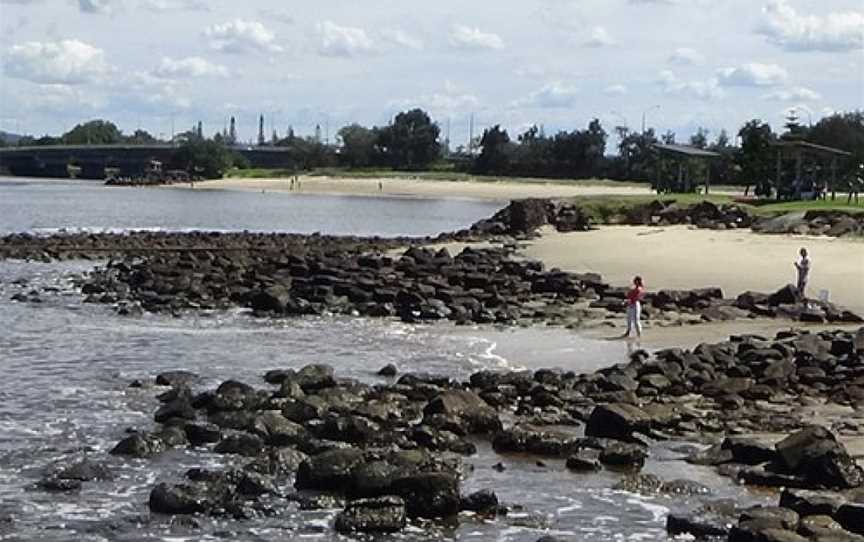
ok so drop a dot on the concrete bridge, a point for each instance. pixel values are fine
(130, 160)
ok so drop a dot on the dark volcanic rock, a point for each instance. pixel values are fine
(617, 421)
(377, 515)
(429, 495)
(815, 455)
(331, 470)
(468, 408)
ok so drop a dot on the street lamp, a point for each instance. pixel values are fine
(645, 113)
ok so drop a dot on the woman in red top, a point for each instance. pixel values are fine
(634, 307)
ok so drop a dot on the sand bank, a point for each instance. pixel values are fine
(680, 257)
(430, 188)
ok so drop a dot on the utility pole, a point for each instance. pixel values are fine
(645, 113)
(261, 130)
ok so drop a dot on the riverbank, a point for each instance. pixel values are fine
(421, 187)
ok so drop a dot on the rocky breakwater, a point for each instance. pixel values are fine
(820, 484)
(524, 217)
(391, 453)
(315, 276)
(817, 222)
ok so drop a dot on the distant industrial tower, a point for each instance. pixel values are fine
(261, 130)
(232, 132)
(317, 133)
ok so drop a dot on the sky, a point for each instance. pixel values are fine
(163, 65)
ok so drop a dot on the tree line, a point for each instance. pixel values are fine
(412, 142)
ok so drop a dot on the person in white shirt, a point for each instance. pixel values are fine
(803, 267)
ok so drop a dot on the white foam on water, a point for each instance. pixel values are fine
(658, 511)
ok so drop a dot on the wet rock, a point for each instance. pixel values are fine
(178, 499)
(178, 408)
(176, 379)
(583, 463)
(388, 371)
(315, 377)
(85, 470)
(623, 454)
(771, 517)
(815, 455)
(240, 443)
(331, 470)
(473, 412)
(617, 421)
(482, 501)
(701, 525)
(59, 484)
(377, 515)
(851, 517)
(748, 451)
(140, 445)
(277, 430)
(529, 439)
(200, 433)
(429, 495)
(811, 503)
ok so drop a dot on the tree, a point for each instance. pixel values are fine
(411, 142)
(94, 132)
(141, 137)
(495, 154)
(668, 138)
(205, 158)
(637, 150)
(358, 145)
(699, 139)
(755, 157)
(843, 131)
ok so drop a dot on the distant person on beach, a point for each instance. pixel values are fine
(380, 186)
(634, 307)
(803, 267)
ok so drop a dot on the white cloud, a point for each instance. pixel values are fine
(451, 100)
(241, 36)
(793, 94)
(67, 62)
(400, 37)
(343, 41)
(161, 6)
(615, 90)
(468, 38)
(98, 6)
(550, 96)
(753, 75)
(193, 66)
(600, 37)
(278, 15)
(700, 90)
(685, 56)
(835, 31)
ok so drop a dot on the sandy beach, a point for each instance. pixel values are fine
(428, 188)
(681, 257)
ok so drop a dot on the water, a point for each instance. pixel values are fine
(67, 366)
(28, 205)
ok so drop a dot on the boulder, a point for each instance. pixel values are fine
(330, 470)
(429, 495)
(376, 515)
(623, 454)
(482, 501)
(617, 421)
(815, 455)
(476, 415)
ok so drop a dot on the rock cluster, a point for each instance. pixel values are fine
(816, 222)
(523, 217)
(390, 453)
(420, 284)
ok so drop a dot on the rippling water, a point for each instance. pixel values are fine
(67, 368)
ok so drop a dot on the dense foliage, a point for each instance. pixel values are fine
(412, 142)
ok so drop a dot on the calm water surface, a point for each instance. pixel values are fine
(67, 366)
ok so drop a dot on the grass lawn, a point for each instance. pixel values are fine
(796, 206)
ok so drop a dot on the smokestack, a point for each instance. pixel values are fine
(261, 130)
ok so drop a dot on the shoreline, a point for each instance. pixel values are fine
(398, 187)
